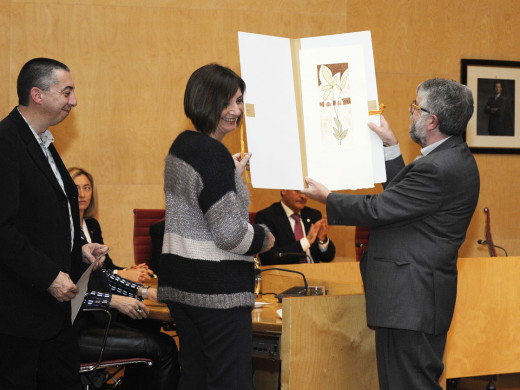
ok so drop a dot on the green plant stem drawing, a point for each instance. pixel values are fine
(334, 85)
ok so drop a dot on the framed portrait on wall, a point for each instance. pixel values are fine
(495, 124)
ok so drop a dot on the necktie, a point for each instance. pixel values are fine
(298, 231)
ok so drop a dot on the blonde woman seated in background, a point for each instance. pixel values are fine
(123, 297)
(92, 230)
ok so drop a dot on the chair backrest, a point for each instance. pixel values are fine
(252, 215)
(143, 219)
(361, 239)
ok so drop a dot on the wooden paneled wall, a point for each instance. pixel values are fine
(130, 60)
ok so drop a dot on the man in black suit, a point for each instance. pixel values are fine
(40, 250)
(305, 232)
(417, 225)
(496, 108)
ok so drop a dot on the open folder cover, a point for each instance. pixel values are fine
(307, 109)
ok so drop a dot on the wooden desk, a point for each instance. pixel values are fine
(265, 319)
(158, 311)
(325, 343)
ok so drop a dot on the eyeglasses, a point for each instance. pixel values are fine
(414, 106)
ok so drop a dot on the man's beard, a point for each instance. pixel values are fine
(418, 135)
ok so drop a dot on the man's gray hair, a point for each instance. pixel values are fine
(450, 101)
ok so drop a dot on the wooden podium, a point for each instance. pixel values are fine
(484, 337)
(325, 342)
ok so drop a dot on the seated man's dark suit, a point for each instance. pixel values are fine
(275, 218)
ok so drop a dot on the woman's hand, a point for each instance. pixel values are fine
(138, 274)
(132, 307)
(151, 294)
(270, 243)
(241, 162)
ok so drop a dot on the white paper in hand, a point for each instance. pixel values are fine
(82, 284)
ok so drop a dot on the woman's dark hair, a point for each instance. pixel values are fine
(38, 72)
(208, 92)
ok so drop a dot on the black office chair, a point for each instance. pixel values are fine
(107, 370)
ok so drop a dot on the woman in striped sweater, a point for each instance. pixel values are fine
(207, 269)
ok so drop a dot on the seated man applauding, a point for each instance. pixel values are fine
(297, 229)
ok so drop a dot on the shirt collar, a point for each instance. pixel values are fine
(287, 210)
(47, 138)
(428, 149)
(44, 139)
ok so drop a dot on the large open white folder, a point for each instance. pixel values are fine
(307, 109)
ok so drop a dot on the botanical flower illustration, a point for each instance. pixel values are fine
(334, 89)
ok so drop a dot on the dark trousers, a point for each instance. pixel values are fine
(408, 359)
(28, 364)
(215, 347)
(126, 342)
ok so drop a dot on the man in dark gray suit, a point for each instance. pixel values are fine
(417, 225)
(40, 246)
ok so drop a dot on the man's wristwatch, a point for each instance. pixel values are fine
(322, 242)
(144, 291)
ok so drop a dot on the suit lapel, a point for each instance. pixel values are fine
(35, 151)
(70, 187)
(284, 222)
(306, 220)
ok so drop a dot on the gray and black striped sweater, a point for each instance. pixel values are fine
(207, 255)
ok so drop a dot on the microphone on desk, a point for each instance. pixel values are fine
(288, 270)
(296, 291)
(298, 255)
(486, 242)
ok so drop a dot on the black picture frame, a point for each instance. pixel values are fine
(495, 124)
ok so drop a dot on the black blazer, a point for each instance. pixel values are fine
(35, 240)
(94, 230)
(275, 218)
(417, 225)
